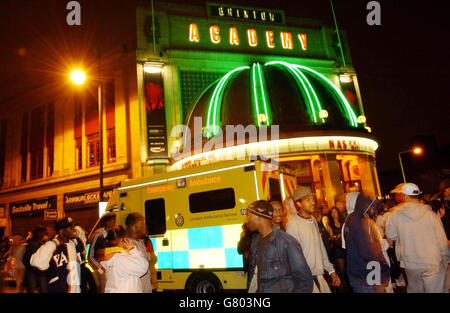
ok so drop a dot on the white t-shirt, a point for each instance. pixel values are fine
(306, 231)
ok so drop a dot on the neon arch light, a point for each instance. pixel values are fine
(259, 95)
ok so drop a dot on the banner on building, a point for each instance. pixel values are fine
(87, 198)
(32, 207)
(155, 112)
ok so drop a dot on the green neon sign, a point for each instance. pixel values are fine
(261, 101)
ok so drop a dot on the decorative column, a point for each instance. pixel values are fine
(333, 184)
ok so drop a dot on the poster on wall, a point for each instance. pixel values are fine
(156, 114)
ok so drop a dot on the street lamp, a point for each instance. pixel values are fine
(416, 150)
(78, 77)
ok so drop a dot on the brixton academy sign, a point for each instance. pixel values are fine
(245, 14)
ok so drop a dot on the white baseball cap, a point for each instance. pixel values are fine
(409, 189)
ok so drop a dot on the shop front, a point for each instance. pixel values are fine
(83, 206)
(28, 214)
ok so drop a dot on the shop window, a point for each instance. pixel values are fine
(349, 184)
(111, 145)
(213, 200)
(303, 170)
(93, 149)
(155, 216)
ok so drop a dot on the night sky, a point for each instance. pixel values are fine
(402, 65)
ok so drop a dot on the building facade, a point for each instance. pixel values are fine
(250, 66)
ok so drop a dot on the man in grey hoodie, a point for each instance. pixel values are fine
(421, 244)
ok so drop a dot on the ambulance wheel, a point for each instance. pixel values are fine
(203, 283)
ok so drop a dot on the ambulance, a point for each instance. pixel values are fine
(194, 218)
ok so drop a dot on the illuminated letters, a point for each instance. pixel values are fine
(272, 16)
(193, 33)
(263, 16)
(286, 40)
(252, 37)
(302, 38)
(269, 38)
(234, 38)
(214, 33)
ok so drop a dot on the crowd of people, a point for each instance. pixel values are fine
(56, 263)
(362, 245)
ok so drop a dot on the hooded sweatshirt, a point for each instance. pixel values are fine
(419, 235)
(363, 243)
(350, 201)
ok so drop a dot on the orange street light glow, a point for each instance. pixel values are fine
(77, 76)
(417, 150)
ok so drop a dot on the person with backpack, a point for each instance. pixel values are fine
(63, 258)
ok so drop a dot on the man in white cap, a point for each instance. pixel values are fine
(421, 244)
(303, 227)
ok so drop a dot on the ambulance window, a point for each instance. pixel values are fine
(155, 216)
(274, 186)
(213, 200)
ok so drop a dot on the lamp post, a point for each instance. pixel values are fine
(78, 77)
(416, 150)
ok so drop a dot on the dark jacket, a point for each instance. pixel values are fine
(363, 244)
(244, 246)
(284, 268)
